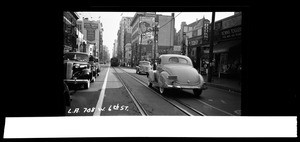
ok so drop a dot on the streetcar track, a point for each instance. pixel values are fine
(168, 100)
(215, 108)
(218, 109)
(136, 102)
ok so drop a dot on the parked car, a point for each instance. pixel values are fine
(67, 97)
(176, 72)
(143, 67)
(78, 70)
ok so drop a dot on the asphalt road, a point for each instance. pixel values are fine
(108, 96)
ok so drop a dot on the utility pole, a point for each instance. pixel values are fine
(211, 49)
(140, 50)
(155, 40)
(124, 43)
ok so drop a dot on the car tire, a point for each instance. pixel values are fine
(87, 85)
(197, 92)
(149, 84)
(163, 91)
(136, 72)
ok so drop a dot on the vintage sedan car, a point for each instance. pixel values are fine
(176, 72)
(143, 67)
(78, 70)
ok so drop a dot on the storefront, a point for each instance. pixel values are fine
(226, 58)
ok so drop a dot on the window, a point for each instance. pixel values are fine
(178, 60)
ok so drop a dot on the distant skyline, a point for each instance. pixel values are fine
(111, 21)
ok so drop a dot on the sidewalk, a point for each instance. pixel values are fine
(222, 83)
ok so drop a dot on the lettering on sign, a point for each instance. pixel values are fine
(231, 33)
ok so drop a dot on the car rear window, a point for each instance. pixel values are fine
(178, 60)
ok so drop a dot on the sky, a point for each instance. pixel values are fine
(111, 21)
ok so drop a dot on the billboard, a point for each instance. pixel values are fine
(146, 30)
(90, 34)
(90, 30)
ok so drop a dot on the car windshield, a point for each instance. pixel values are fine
(145, 63)
(76, 57)
(177, 60)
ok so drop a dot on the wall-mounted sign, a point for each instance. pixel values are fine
(147, 38)
(91, 25)
(231, 33)
(145, 28)
(90, 35)
(146, 24)
(195, 41)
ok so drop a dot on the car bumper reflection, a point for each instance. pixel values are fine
(203, 87)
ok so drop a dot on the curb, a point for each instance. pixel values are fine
(223, 87)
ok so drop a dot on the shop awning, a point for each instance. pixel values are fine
(224, 46)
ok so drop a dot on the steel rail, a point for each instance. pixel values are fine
(136, 102)
(168, 100)
(218, 109)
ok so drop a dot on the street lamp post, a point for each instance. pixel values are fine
(211, 49)
(155, 40)
(140, 50)
(124, 45)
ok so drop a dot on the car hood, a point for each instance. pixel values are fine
(185, 73)
(76, 62)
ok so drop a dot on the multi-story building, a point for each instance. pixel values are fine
(196, 35)
(92, 33)
(70, 31)
(106, 56)
(124, 37)
(227, 57)
(143, 35)
(128, 54)
(227, 44)
(114, 54)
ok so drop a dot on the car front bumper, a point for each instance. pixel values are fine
(76, 81)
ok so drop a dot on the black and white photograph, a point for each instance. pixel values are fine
(162, 71)
(153, 63)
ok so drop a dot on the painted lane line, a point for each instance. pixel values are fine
(97, 112)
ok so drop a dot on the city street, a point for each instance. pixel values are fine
(120, 91)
